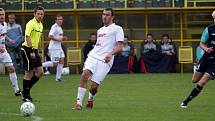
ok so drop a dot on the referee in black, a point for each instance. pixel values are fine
(30, 52)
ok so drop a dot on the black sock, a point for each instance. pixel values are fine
(33, 81)
(26, 89)
(193, 93)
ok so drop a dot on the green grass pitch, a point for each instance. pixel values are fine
(121, 97)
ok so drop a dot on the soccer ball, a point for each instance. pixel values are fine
(27, 109)
(65, 71)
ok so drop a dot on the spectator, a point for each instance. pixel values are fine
(148, 45)
(168, 50)
(89, 45)
(128, 48)
(14, 38)
(126, 61)
(166, 46)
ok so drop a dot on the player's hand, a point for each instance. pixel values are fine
(2, 50)
(108, 57)
(32, 55)
(209, 50)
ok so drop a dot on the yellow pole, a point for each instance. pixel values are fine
(126, 4)
(23, 3)
(181, 37)
(76, 30)
(194, 4)
(173, 3)
(75, 4)
(181, 29)
(185, 3)
(146, 24)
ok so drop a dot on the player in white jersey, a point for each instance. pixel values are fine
(55, 50)
(4, 56)
(109, 42)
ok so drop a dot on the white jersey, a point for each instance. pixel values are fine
(3, 31)
(107, 36)
(55, 31)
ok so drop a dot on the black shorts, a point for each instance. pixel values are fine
(28, 62)
(207, 65)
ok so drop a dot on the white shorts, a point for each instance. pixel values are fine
(6, 59)
(98, 68)
(56, 54)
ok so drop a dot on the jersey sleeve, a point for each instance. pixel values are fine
(119, 34)
(52, 30)
(205, 35)
(29, 29)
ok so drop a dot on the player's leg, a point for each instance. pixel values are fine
(195, 91)
(12, 74)
(28, 65)
(13, 79)
(88, 70)
(26, 82)
(102, 70)
(38, 70)
(82, 88)
(92, 93)
(49, 63)
(196, 76)
(59, 69)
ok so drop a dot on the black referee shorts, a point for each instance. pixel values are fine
(28, 62)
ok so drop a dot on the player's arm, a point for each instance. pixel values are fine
(40, 45)
(119, 45)
(120, 40)
(118, 48)
(54, 37)
(204, 39)
(28, 30)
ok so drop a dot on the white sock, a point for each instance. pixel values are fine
(59, 71)
(80, 96)
(48, 64)
(91, 97)
(14, 81)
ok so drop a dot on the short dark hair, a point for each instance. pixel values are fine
(2, 9)
(58, 15)
(38, 8)
(92, 34)
(149, 34)
(110, 9)
(165, 35)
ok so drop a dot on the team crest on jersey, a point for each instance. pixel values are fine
(101, 35)
(213, 42)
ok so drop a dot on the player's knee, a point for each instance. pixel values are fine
(39, 74)
(61, 61)
(93, 90)
(11, 69)
(85, 75)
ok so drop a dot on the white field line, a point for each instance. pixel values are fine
(35, 118)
